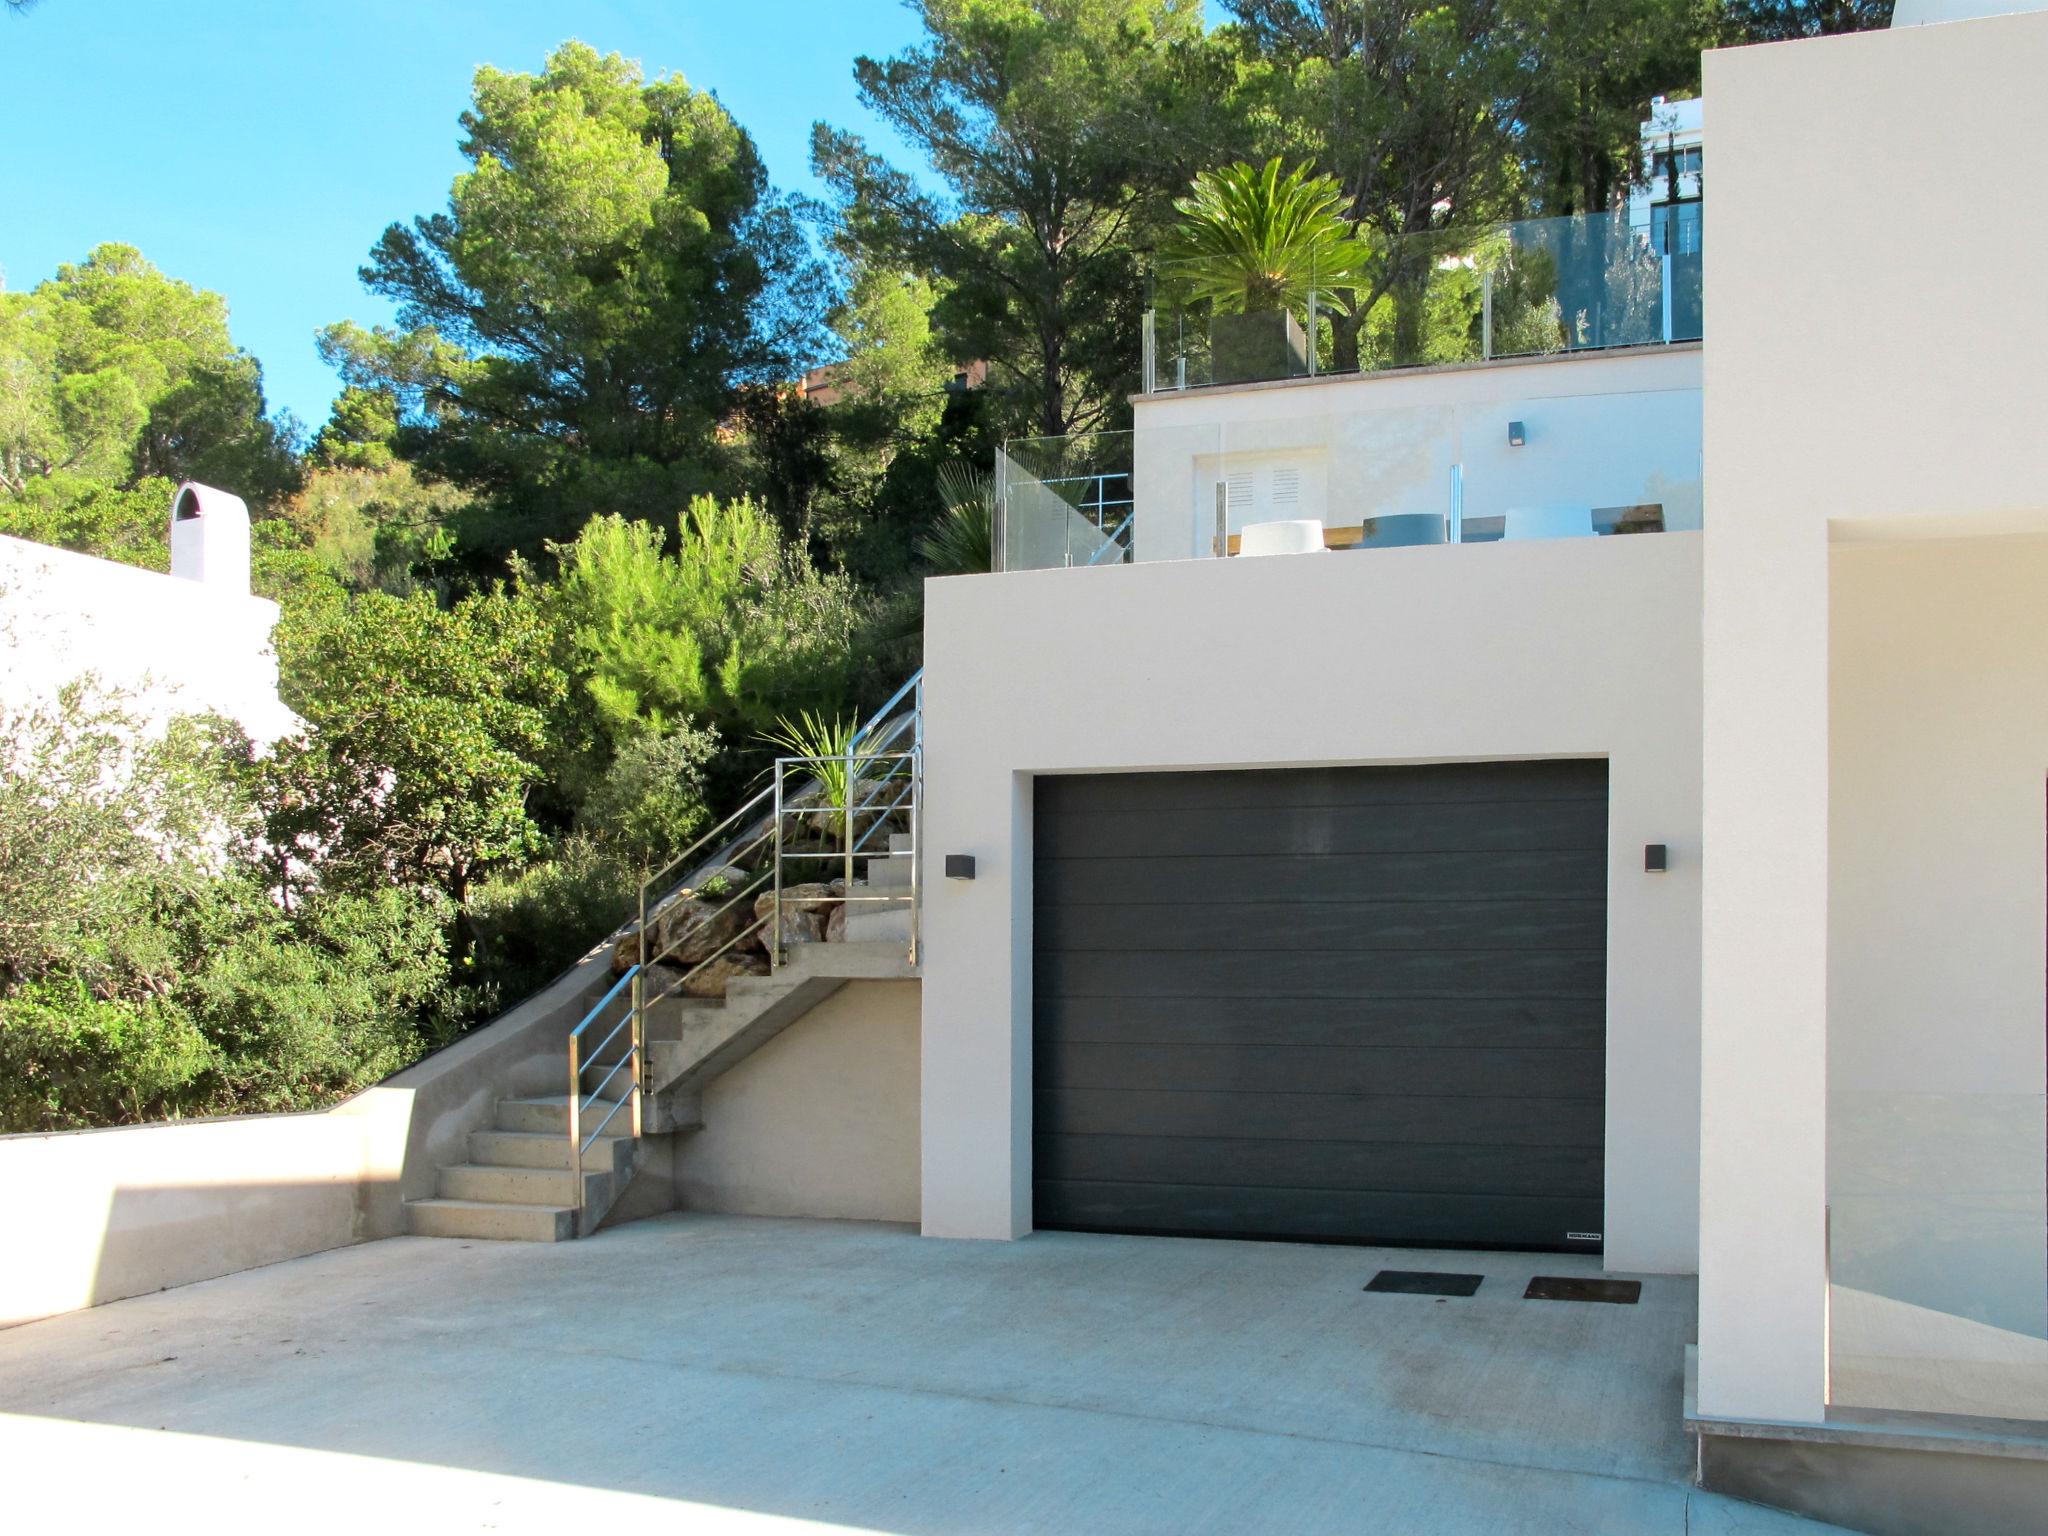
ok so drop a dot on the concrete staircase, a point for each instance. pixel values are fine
(699, 1041)
(519, 1181)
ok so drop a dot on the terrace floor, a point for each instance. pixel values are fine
(707, 1373)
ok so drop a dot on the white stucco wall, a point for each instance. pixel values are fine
(1605, 430)
(1577, 648)
(820, 1121)
(1938, 907)
(176, 645)
(1874, 357)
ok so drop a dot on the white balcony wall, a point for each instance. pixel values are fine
(1620, 429)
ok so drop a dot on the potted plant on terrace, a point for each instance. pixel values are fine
(1258, 245)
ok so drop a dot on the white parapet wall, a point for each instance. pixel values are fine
(98, 1215)
(1874, 371)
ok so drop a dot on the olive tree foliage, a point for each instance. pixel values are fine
(100, 820)
(611, 269)
(650, 802)
(1049, 127)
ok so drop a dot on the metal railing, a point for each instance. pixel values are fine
(871, 787)
(874, 785)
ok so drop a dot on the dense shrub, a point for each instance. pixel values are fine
(69, 1060)
(650, 802)
(533, 923)
(147, 965)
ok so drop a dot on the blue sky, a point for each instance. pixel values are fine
(258, 149)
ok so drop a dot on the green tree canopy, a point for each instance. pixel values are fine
(609, 271)
(1039, 118)
(728, 630)
(428, 728)
(112, 373)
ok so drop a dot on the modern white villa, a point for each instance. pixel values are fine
(1673, 890)
(1581, 793)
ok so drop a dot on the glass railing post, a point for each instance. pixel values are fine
(1664, 293)
(1149, 380)
(1486, 315)
(1457, 519)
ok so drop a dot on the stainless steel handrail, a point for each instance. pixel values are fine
(900, 779)
(578, 1142)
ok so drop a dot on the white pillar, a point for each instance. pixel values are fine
(975, 1085)
(1764, 954)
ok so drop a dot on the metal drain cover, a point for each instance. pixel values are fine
(1622, 1293)
(1423, 1282)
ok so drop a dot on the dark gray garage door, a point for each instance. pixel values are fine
(1354, 1004)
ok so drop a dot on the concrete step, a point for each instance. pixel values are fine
(901, 842)
(550, 1113)
(886, 960)
(877, 924)
(508, 1186)
(492, 1220)
(891, 874)
(544, 1149)
(672, 1015)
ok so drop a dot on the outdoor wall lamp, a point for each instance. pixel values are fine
(1517, 434)
(1656, 858)
(959, 866)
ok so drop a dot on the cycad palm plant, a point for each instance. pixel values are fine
(962, 541)
(1255, 239)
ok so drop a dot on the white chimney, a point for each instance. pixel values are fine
(210, 538)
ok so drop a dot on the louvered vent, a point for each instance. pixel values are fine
(1286, 488)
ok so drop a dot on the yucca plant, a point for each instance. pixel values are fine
(962, 541)
(826, 741)
(1255, 239)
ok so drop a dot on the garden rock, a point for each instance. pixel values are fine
(712, 980)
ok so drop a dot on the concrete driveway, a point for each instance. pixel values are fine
(708, 1373)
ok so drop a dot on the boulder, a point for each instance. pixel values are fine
(835, 925)
(798, 928)
(697, 927)
(804, 911)
(626, 950)
(813, 896)
(711, 980)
